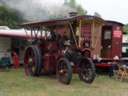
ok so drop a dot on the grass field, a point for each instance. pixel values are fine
(15, 83)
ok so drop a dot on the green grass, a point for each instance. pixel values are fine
(15, 83)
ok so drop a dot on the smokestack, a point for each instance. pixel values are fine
(72, 14)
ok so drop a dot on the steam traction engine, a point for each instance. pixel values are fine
(56, 49)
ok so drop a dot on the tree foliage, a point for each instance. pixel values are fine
(72, 3)
(126, 28)
(9, 17)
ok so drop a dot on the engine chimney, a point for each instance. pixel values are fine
(72, 14)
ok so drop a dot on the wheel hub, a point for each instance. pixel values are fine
(30, 60)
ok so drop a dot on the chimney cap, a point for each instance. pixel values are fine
(72, 14)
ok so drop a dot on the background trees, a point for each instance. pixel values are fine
(9, 17)
(126, 28)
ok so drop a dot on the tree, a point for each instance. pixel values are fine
(80, 10)
(126, 28)
(9, 17)
(72, 3)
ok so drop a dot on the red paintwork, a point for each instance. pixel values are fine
(26, 61)
(50, 63)
(117, 41)
(86, 35)
(50, 56)
(103, 65)
(86, 31)
(61, 30)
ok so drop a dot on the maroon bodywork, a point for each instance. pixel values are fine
(93, 39)
(52, 56)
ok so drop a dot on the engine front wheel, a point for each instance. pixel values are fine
(64, 71)
(86, 71)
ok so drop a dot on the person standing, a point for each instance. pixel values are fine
(15, 59)
(6, 60)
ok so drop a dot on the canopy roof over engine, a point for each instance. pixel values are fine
(54, 22)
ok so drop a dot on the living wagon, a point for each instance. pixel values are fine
(111, 41)
(112, 33)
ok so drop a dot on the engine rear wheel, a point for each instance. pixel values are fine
(32, 61)
(87, 71)
(64, 71)
(40, 61)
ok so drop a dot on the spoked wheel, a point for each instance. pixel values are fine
(64, 71)
(32, 61)
(86, 70)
